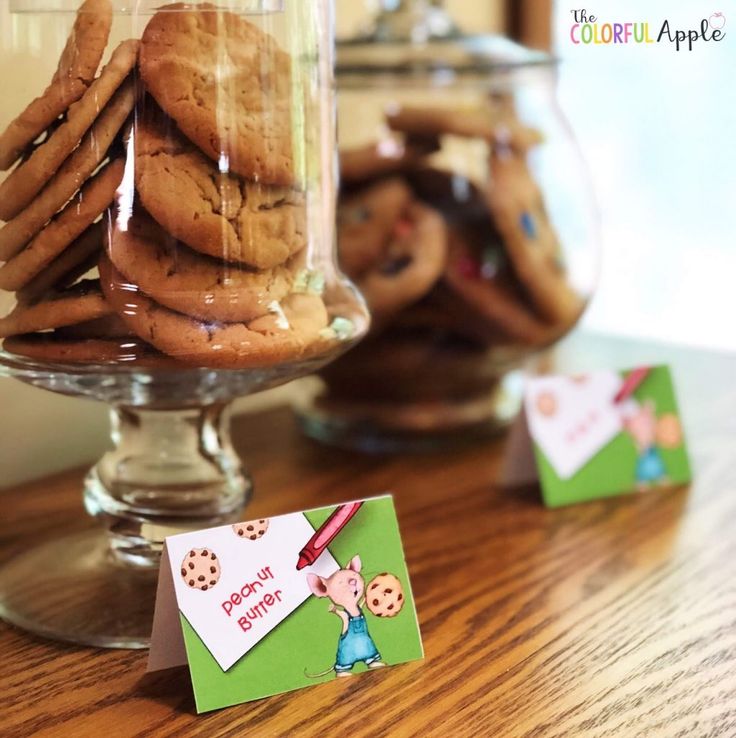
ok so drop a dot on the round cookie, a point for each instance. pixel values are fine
(669, 431)
(93, 199)
(75, 71)
(60, 349)
(74, 305)
(493, 301)
(456, 197)
(200, 569)
(366, 221)
(385, 158)
(531, 243)
(75, 171)
(384, 596)
(294, 333)
(27, 180)
(75, 261)
(216, 214)
(227, 84)
(495, 125)
(252, 530)
(546, 404)
(190, 283)
(412, 264)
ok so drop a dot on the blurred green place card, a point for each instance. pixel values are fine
(597, 435)
(271, 605)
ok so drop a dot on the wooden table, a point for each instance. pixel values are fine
(615, 618)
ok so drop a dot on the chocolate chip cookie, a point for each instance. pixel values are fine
(200, 569)
(366, 221)
(531, 242)
(411, 264)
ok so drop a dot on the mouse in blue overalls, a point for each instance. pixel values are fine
(345, 590)
(640, 421)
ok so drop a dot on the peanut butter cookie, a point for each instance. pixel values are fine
(60, 349)
(27, 180)
(227, 84)
(216, 214)
(190, 283)
(93, 199)
(75, 71)
(77, 304)
(294, 332)
(75, 171)
(76, 260)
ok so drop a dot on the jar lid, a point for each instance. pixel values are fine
(418, 37)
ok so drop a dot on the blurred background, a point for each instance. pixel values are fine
(656, 127)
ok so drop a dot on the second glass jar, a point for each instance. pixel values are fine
(466, 220)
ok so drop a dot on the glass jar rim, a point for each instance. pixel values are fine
(460, 54)
(141, 7)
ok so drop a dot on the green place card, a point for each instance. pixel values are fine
(272, 605)
(600, 434)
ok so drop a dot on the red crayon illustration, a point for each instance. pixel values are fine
(327, 533)
(632, 383)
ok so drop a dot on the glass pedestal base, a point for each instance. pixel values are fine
(413, 426)
(76, 589)
(172, 469)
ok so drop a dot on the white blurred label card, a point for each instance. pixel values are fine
(598, 434)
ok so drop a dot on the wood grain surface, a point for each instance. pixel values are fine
(615, 618)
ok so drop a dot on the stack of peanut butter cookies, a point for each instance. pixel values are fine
(154, 213)
(450, 267)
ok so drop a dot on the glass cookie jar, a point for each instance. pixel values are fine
(167, 195)
(466, 219)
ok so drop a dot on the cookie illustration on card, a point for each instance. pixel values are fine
(200, 569)
(384, 596)
(252, 530)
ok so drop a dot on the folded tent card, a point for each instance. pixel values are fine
(272, 605)
(597, 435)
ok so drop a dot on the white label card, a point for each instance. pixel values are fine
(573, 418)
(256, 587)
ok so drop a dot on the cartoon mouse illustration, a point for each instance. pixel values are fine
(345, 590)
(641, 423)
